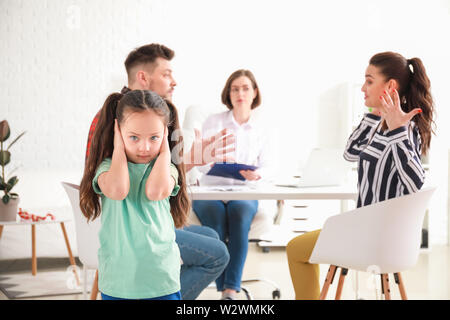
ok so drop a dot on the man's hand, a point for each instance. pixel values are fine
(212, 149)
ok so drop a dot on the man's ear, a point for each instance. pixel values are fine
(142, 79)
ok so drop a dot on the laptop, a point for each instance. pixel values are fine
(324, 167)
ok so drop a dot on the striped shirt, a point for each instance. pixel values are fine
(389, 162)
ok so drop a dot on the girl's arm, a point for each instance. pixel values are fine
(360, 137)
(160, 183)
(115, 183)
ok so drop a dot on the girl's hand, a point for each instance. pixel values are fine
(118, 140)
(250, 175)
(392, 112)
(165, 143)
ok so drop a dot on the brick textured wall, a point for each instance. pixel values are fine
(59, 61)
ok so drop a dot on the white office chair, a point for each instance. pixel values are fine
(87, 238)
(381, 238)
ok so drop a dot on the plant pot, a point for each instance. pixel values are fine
(8, 212)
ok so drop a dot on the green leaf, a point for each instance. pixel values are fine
(5, 157)
(2, 186)
(4, 130)
(12, 181)
(14, 141)
(14, 195)
(5, 199)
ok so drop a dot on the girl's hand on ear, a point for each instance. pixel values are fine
(118, 140)
(165, 143)
(392, 112)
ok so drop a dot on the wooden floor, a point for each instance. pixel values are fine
(430, 279)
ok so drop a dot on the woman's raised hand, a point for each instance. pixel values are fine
(392, 112)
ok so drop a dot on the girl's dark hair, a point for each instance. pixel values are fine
(103, 146)
(226, 90)
(414, 89)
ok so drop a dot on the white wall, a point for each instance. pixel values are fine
(60, 59)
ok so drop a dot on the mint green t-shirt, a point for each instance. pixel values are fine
(138, 257)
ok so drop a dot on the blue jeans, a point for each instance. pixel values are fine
(204, 259)
(172, 296)
(232, 222)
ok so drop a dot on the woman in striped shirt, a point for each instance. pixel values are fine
(387, 144)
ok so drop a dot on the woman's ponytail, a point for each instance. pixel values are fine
(418, 95)
(414, 89)
(102, 147)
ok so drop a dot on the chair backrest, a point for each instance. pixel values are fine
(86, 233)
(381, 238)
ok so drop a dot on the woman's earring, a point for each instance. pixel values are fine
(403, 100)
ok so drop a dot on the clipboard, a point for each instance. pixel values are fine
(230, 170)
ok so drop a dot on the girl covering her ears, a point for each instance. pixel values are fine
(130, 169)
(388, 144)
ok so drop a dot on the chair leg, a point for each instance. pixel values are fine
(328, 281)
(344, 272)
(94, 290)
(72, 260)
(385, 286)
(276, 293)
(401, 286)
(247, 293)
(84, 282)
(33, 250)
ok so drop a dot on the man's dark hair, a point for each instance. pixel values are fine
(147, 55)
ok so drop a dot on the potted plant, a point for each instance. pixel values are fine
(10, 200)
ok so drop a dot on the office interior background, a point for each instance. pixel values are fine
(61, 59)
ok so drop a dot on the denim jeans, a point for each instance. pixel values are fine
(232, 222)
(204, 259)
(172, 296)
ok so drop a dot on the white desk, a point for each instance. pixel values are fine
(272, 192)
